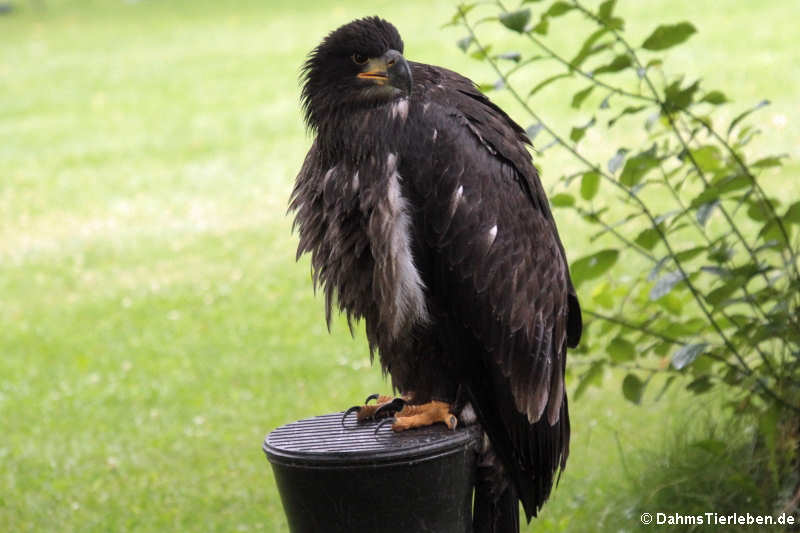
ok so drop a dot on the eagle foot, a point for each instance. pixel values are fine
(416, 416)
(384, 406)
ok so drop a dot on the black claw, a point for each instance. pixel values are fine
(382, 423)
(354, 409)
(389, 408)
(372, 397)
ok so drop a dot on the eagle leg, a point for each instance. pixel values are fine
(426, 414)
(385, 406)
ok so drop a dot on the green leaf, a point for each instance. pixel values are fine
(741, 116)
(758, 211)
(542, 27)
(464, 43)
(722, 293)
(630, 110)
(669, 35)
(746, 134)
(590, 183)
(686, 354)
(700, 385)
(672, 303)
(621, 350)
(616, 162)
(730, 182)
(516, 20)
(725, 185)
(665, 284)
(637, 166)
(481, 53)
(715, 98)
(715, 270)
(652, 120)
(632, 388)
(593, 376)
(704, 212)
(772, 161)
(580, 96)
(544, 83)
(562, 200)
(658, 266)
(533, 130)
(577, 132)
(616, 23)
(461, 12)
(771, 232)
(720, 253)
(510, 56)
(558, 9)
(792, 214)
(593, 266)
(708, 158)
(670, 381)
(588, 48)
(603, 295)
(647, 238)
(606, 9)
(621, 62)
(691, 253)
(677, 98)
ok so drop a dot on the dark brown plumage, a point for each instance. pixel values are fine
(425, 216)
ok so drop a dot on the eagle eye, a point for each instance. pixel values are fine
(359, 59)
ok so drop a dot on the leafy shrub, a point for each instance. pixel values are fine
(694, 277)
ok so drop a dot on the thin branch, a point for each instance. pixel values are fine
(670, 119)
(700, 173)
(756, 185)
(632, 326)
(573, 68)
(612, 230)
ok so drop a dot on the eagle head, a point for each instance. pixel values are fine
(358, 65)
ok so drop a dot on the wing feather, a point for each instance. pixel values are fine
(503, 277)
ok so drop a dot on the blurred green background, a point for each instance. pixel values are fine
(154, 325)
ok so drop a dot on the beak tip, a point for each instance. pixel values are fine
(400, 75)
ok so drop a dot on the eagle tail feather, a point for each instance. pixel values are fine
(496, 504)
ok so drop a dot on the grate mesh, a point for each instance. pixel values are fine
(322, 440)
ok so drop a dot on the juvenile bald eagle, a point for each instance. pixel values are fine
(425, 216)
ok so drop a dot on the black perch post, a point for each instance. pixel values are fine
(353, 480)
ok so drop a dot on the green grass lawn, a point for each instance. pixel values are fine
(153, 323)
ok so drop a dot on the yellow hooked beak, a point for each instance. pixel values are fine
(376, 70)
(390, 69)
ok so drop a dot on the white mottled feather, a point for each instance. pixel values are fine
(409, 289)
(456, 199)
(491, 235)
(328, 175)
(400, 109)
(467, 415)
